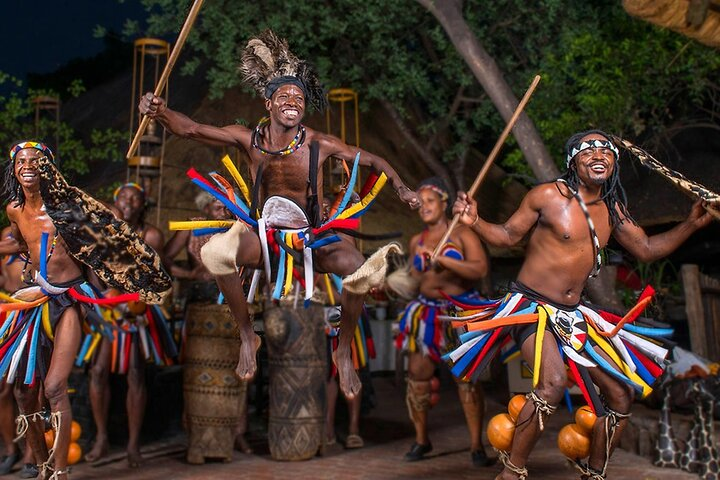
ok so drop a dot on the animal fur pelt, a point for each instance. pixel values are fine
(106, 244)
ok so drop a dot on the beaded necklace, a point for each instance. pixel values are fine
(50, 254)
(294, 145)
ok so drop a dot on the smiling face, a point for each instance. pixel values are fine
(595, 165)
(432, 208)
(131, 203)
(27, 172)
(287, 106)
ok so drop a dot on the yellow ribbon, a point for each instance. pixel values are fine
(328, 287)
(46, 321)
(289, 265)
(193, 224)
(605, 346)
(539, 335)
(358, 348)
(379, 184)
(230, 166)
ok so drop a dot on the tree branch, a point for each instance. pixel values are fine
(446, 121)
(489, 75)
(436, 166)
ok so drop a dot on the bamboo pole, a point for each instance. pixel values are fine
(490, 160)
(192, 15)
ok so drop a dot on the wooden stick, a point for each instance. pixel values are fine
(689, 187)
(192, 15)
(490, 160)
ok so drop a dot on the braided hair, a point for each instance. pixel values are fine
(11, 189)
(612, 192)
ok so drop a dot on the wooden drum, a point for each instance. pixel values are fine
(213, 393)
(297, 359)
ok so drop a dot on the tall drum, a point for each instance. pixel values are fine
(297, 358)
(212, 390)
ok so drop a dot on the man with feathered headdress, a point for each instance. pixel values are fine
(286, 164)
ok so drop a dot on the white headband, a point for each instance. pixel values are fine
(591, 144)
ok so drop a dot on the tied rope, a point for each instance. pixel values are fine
(23, 425)
(612, 420)
(56, 423)
(542, 407)
(417, 402)
(56, 473)
(587, 472)
(504, 457)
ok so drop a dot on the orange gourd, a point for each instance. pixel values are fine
(500, 431)
(573, 442)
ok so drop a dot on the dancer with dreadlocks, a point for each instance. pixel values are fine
(286, 161)
(568, 221)
(61, 228)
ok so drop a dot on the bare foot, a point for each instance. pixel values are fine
(98, 451)
(134, 459)
(506, 475)
(242, 445)
(246, 366)
(349, 381)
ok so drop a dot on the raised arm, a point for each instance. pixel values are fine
(183, 126)
(515, 228)
(649, 248)
(333, 146)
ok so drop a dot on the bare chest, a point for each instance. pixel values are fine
(32, 224)
(288, 175)
(571, 226)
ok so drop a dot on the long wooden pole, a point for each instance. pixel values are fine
(490, 160)
(192, 15)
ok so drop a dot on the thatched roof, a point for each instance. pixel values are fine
(696, 19)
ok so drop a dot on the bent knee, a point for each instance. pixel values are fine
(56, 389)
(552, 387)
(99, 374)
(619, 398)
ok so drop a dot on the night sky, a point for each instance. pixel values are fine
(42, 35)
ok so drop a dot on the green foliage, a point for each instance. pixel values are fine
(17, 122)
(600, 67)
(664, 278)
(105, 193)
(622, 75)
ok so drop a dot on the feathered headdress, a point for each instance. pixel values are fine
(267, 63)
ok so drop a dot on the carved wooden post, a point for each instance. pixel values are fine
(694, 309)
